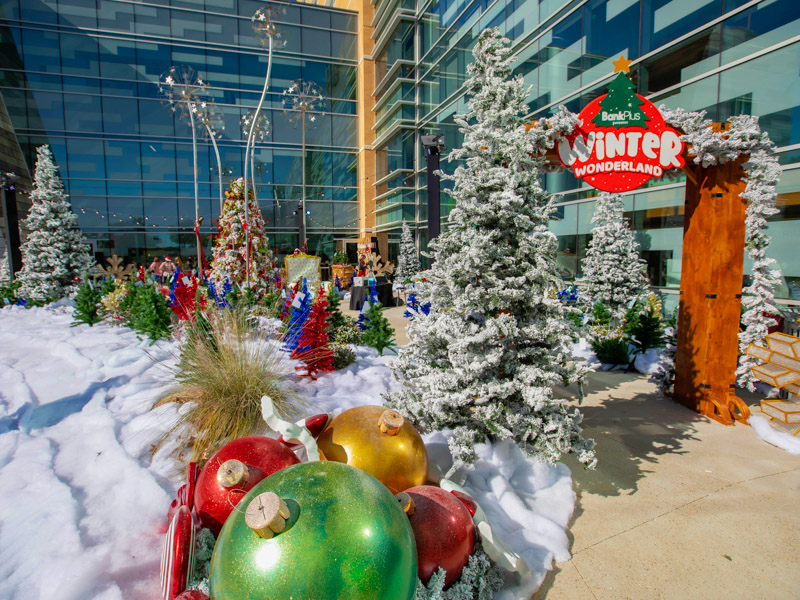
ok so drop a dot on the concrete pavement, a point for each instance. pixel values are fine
(679, 506)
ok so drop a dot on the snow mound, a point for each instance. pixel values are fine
(772, 436)
(85, 500)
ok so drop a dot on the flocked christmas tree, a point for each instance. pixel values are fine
(231, 248)
(621, 106)
(55, 254)
(484, 360)
(613, 272)
(408, 262)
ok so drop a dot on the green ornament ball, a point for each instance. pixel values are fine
(346, 538)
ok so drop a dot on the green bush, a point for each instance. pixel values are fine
(340, 258)
(611, 348)
(8, 293)
(348, 333)
(343, 356)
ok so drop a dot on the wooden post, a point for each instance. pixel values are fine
(712, 273)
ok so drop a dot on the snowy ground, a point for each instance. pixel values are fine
(85, 503)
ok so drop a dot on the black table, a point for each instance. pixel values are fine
(358, 294)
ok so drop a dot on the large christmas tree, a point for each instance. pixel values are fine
(484, 360)
(408, 262)
(613, 272)
(55, 254)
(231, 246)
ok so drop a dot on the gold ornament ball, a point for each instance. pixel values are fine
(379, 441)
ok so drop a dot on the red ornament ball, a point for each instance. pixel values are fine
(443, 530)
(192, 595)
(232, 472)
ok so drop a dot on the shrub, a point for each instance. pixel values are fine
(340, 258)
(225, 367)
(343, 356)
(610, 346)
(348, 333)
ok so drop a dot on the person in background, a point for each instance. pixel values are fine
(155, 269)
(179, 263)
(167, 270)
(190, 264)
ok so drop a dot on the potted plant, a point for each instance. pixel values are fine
(342, 269)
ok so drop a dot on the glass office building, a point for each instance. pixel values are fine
(723, 56)
(81, 75)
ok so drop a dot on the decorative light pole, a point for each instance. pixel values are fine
(211, 118)
(261, 127)
(266, 32)
(182, 89)
(303, 100)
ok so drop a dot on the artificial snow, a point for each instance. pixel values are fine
(772, 436)
(85, 501)
(645, 363)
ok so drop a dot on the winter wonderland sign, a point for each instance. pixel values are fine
(623, 140)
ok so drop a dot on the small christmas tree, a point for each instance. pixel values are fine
(335, 317)
(377, 332)
(613, 272)
(150, 314)
(621, 106)
(312, 347)
(185, 297)
(301, 308)
(408, 263)
(87, 305)
(55, 254)
(231, 246)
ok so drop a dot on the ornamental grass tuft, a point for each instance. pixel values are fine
(225, 367)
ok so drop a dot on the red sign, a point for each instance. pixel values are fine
(623, 141)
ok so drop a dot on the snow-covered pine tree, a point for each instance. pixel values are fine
(484, 360)
(55, 253)
(613, 272)
(230, 247)
(408, 262)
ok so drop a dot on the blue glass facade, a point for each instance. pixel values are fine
(81, 76)
(723, 56)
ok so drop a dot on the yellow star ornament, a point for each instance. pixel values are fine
(622, 65)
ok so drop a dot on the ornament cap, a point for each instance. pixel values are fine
(390, 422)
(232, 473)
(406, 502)
(266, 515)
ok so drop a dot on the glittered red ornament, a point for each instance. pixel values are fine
(467, 501)
(443, 530)
(192, 595)
(232, 472)
(177, 558)
(315, 425)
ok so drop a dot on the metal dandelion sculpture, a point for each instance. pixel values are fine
(183, 90)
(303, 102)
(268, 36)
